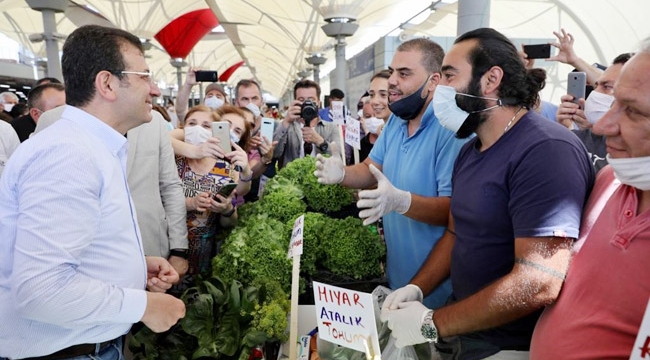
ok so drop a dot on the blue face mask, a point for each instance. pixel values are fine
(409, 107)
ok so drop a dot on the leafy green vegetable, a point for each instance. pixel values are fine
(221, 322)
(352, 249)
(327, 198)
(255, 254)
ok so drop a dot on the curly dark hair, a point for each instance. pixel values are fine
(519, 86)
(87, 51)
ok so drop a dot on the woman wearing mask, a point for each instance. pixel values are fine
(376, 106)
(203, 178)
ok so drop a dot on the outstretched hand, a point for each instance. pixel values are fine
(382, 200)
(330, 170)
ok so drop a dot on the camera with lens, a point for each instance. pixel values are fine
(308, 110)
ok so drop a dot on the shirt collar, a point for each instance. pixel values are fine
(114, 141)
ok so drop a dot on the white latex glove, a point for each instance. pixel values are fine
(406, 322)
(330, 170)
(410, 292)
(382, 200)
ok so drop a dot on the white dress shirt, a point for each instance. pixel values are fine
(72, 268)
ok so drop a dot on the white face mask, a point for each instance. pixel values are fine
(372, 124)
(597, 105)
(196, 135)
(8, 107)
(254, 109)
(446, 108)
(234, 137)
(450, 116)
(632, 171)
(214, 102)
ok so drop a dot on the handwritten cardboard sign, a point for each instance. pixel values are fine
(345, 317)
(641, 349)
(353, 132)
(336, 108)
(295, 247)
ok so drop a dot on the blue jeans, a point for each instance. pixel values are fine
(111, 352)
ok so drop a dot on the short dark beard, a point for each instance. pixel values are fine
(470, 104)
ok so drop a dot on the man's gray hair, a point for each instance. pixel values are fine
(8, 94)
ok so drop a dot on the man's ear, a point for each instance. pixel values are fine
(491, 80)
(434, 81)
(106, 84)
(35, 114)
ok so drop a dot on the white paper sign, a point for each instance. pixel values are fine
(641, 349)
(336, 109)
(353, 132)
(295, 248)
(345, 317)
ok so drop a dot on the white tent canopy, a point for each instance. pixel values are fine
(273, 37)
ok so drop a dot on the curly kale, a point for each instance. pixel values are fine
(282, 206)
(255, 254)
(352, 249)
(327, 198)
(312, 253)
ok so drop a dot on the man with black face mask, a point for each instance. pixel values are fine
(408, 169)
(518, 191)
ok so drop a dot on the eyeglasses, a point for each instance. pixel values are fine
(145, 75)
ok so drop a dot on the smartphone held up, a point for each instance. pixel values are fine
(538, 51)
(577, 85)
(206, 76)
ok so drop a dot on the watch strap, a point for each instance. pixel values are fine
(323, 146)
(181, 253)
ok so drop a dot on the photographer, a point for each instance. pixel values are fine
(302, 132)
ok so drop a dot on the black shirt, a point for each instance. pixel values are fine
(24, 126)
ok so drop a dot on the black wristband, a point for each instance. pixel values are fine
(181, 253)
(229, 214)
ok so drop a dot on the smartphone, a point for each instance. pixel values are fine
(266, 129)
(577, 85)
(226, 190)
(538, 51)
(221, 130)
(206, 76)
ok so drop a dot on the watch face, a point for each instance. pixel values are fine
(323, 147)
(429, 332)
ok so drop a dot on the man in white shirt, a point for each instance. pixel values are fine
(72, 266)
(8, 143)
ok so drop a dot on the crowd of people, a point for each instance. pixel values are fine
(512, 230)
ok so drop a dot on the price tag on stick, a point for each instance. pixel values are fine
(295, 250)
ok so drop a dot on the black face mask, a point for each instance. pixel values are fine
(409, 107)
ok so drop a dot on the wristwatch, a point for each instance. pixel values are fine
(181, 253)
(324, 146)
(428, 328)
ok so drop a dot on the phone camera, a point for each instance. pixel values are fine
(308, 110)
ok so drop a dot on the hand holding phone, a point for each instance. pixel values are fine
(266, 129)
(577, 85)
(221, 130)
(225, 190)
(538, 51)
